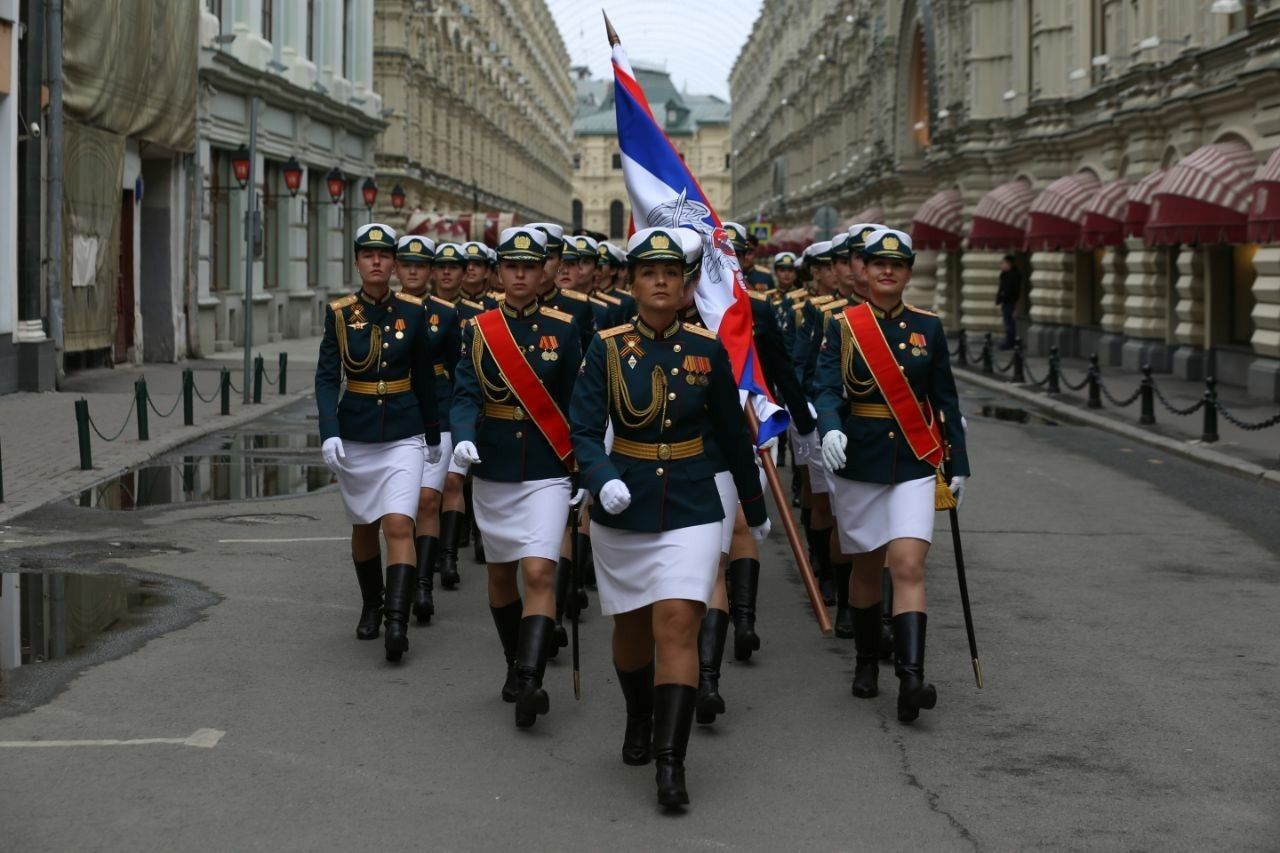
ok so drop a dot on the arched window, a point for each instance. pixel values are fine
(617, 220)
(577, 214)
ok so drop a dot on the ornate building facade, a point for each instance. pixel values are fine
(1119, 149)
(482, 111)
(698, 125)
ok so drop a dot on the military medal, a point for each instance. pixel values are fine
(696, 369)
(434, 320)
(357, 320)
(549, 345)
(400, 325)
(631, 348)
(918, 343)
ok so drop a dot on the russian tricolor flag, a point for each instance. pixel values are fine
(665, 193)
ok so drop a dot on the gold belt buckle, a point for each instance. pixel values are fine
(664, 452)
(518, 413)
(382, 387)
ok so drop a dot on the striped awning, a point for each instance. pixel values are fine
(1103, 223)
(1137, 207)
(939, 223)
(1000, 221)
(875, 213)
(1205, 198)
(1264, 212)
(1055, 217)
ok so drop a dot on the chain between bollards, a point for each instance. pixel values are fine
(140, 396)
(1019, 367)
(259, 368)
(988, 364)
(964, 349)
(282, 378)
(1095, 381)
(1148, 416)
(82, 430)
(224, 387)
(188, 397)
(1209, 433)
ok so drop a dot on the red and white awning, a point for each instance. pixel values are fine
(1137, 207)
(1205, 198)
(939, 223)
(875, 214)
(1103, 223)
(1055, 217)
(1000, 221)
(1264, 212)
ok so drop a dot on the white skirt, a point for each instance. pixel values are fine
(869, 515)
(381, 478)
(729, 500)
(635, 569)
(433, 475)
(519, 520)
(819, 477)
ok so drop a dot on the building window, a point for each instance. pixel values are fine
(577, 160)
(728, 162)
(617, 220)
(577, 214)
(267, 16)
(617, 161)
(220, 259)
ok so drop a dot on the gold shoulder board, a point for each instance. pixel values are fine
(617, 330)
(408, 297)
(470, 304)
(609, 298)
(573, 294)
(921, 311)
(834, 305)
(797, 293)
(699, 330)
(757, 295)
(439, 301)
(556, 315)
(599, 302)
(342, 302)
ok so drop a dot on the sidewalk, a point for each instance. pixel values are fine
(38, 439)
(1251, 453)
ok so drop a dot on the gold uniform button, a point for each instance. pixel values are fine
(675, 371)
(671, 396)
(519, 435)
(659, 472)
(517, 414)
(386, 346)
(902, 346)
(384, 364)
(386, 328)
(667, 422)
(891, 434)
(902, 325)
(379, 402)
(676, 348)
(535, 326)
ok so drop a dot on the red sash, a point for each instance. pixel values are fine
(923, 437)
(525, 384)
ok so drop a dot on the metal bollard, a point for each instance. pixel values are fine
(1054, 367)
(1095, 383)
(1210, 432)
(82, 430)
(140, 396)
(1019, 369)
(224, 387)
(282, 378)
(988, 364)
(964, 349)
(1148, 416)
(258, 368)
(188, 398)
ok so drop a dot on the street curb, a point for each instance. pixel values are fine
(159, 447)
(1075, 414)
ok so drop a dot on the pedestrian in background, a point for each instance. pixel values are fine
(1007, 298)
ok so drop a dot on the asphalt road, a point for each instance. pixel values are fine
(1126, 605)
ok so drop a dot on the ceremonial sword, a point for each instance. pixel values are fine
(955, 544)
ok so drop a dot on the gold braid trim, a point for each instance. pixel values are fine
(628, 415)
(496, 393)
(856, 387)
(375, 345)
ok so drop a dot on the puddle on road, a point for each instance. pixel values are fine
(272, 442)
(60, 613)
(1015, 415)
(204, 478)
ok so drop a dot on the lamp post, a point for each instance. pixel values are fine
(370, 192)
(247, 166)
(397, 198)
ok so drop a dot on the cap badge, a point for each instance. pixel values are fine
(448, 252)
(473, 250)
(522, 242)
(415, 246)
(375, 234)
(891, 244)
(660, 241)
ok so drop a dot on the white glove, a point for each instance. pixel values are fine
(431, 453)
(957, 488)
(615, 497)
(806, 446)
(578, 497)
(465, 454)
(333, 452)
(760, 533)
(833, 445)
(769, 445)
(964, 425)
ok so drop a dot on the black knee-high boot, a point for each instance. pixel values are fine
(424, 606)
(914, 693)
(531, 665)
(450, 524)
(715, 625)
(866, 642)
(820, 549)
(563, 590)
(507, 620)
(396, 605)
(744, 582)
(672, 719)
(369, 576)
(587, 564)
(844, 613)
(886, 614)
(637, 689)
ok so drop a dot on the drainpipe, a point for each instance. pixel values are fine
(55, 178)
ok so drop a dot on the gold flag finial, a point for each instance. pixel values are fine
(614, 41)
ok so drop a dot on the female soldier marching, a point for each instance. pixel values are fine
(373, 434)
(886, 364)
(656, 521)
(512, 387)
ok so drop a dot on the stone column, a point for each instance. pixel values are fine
(1145, 307)
(978, 291)
(1264, 372)
(1189, 314)
(1114, 270)
(924, 281)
